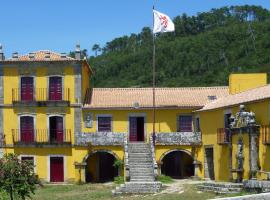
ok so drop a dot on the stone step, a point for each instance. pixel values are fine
(140, 169)
(219, 190)
(138, 187)
(139, 174)
(140, 159)
(223, 185)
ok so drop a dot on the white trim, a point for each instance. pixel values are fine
(48, 123)
(19, 124)
(48, 85)
(145, 124)
(104, 115)
(34, 85)
(49, 166)
(34, 158)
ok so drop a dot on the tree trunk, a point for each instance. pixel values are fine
(11, 194)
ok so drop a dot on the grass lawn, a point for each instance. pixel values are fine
(103, 191)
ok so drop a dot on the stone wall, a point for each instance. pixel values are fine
(178, 138)
(100, 139)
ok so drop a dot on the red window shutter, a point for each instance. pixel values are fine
(55, 88)
(59, 129)
(27, 88)
(132, 129)
(27, 129)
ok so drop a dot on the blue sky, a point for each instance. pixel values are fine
(58, 25)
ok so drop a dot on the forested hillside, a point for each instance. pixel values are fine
(203, 51)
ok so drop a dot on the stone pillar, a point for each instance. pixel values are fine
(196, 164)
(253, 152)
(80, 172)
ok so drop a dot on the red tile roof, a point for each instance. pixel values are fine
(102, 98)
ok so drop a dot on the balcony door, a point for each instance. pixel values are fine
(55, 88)
(27, 129)
(27, 88)
(56, 129)
(136, 129)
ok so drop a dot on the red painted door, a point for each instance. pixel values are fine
(56, 129)
(27, 89)
(56, 169)
(132, 129)
(55, 88)
(27, 129)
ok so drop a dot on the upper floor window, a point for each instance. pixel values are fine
(227, 120)
(27, 88)
(104, 124)
(27, 128)
(184, 123)
(55, 88)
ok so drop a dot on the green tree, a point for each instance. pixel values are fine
(96, 48)
(17, 178)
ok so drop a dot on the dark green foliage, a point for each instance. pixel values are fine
(203, 51)
(17, 178)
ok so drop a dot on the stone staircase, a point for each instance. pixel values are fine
(141, 171)
(221, 187)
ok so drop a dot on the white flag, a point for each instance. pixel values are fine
(162, 23)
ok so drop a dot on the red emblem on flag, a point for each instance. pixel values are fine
(164, 21)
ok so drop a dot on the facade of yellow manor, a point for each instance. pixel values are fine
(50, 114)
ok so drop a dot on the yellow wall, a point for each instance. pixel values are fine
(166, 120)
(242, 82)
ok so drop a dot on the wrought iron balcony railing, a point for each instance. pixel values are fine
(40, 95)
(41, 137)
(223, 136)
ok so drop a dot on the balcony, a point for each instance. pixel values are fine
(41, 137)
(223, 136)
(41, 97)
(178, 138)
(265, 130)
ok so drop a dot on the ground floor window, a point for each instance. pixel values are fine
(100, 167)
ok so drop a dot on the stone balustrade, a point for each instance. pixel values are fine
(100, 139)
(178, 138)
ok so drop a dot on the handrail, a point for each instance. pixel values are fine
(40, 94)
(126, 158)
(152, 147)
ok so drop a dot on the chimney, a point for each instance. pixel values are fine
(78, 52)
(2, 56)
(15, 55)
(32, 56)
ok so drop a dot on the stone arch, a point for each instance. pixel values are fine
(99, 166)
(177, 163)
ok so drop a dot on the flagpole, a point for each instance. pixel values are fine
(154, 82)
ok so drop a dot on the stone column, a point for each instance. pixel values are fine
(253, 152)
(80, 168)
(196, 164)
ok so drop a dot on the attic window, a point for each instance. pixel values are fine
(212, 97)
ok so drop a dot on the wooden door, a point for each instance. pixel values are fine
(55, 88)
(27, 129)
(27, 89)
(132, 129)
(209, 163)
(56, 169)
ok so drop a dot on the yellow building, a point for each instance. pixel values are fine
(50, 114)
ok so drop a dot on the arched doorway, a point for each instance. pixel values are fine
(177, 164)
(99, 167)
